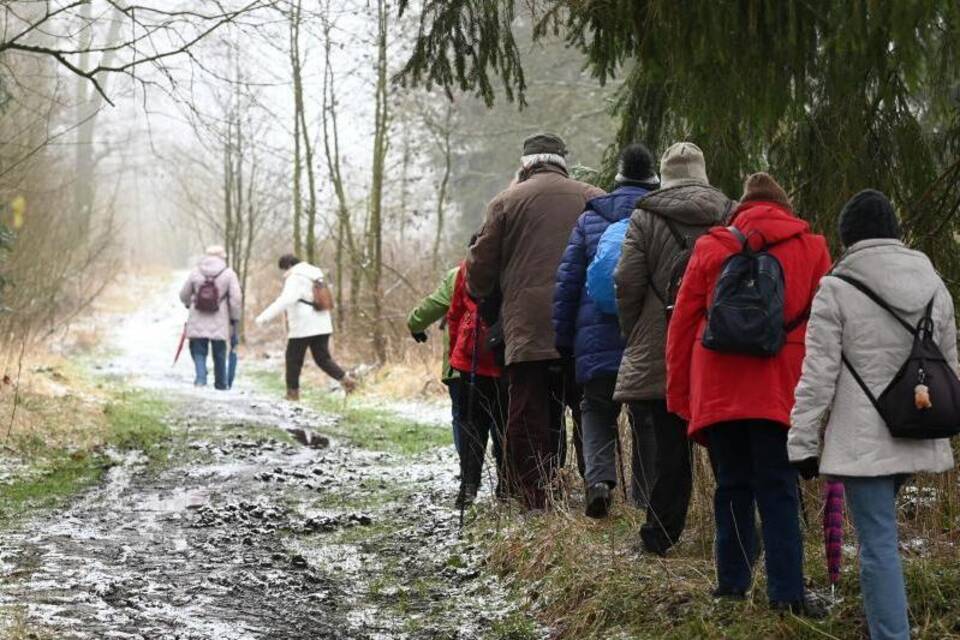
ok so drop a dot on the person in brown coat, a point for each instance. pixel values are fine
(519, 248)
(661, 235)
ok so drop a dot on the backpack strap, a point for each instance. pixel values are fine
(860, 381)
(880, 302)
(739, 237)
(926, 322)
(679, 238)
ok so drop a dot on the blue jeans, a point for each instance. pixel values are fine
(753, 472)
(199, 348)
(872, 503)
(455, 386)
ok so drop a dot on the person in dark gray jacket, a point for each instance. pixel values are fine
(685, 207)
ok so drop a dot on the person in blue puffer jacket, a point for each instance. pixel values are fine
(593, 337)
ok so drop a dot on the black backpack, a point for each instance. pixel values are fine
(923, 400)
(746, 315)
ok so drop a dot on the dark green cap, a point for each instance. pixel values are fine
(544, 143)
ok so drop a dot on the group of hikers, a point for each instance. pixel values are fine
(711, 321)
(212, 295)
(706, 320)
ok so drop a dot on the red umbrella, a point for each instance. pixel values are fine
(183, 338)
(833, 528)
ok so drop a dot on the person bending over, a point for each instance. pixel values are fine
(308, 327)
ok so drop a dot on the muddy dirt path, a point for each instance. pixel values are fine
(249, 534)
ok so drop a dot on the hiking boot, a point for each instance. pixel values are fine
(349, 384)
(728, 593)
(466, 496)
(293, 395)
(598, 500)
(654, 540)
(805, 608)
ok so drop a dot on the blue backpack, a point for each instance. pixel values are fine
(746, 315)
(600, 283)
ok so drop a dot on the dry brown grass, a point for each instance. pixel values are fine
(587, 579)
(55, 406)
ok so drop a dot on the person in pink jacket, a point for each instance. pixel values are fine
(211, 328)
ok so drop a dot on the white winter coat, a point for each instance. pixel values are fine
(303, 320)
(856, 440)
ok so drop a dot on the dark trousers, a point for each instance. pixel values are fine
(601, 433)
(199, 349)
(455, 388)
(669, 497)
(320, 349)
(483, 416)
(535, 448)
(569, 394)
(750, 458)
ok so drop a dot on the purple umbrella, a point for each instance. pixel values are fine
(833, 528)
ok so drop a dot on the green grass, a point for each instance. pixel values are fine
(136, 423)
(362, 423)
(516, 626)
(133, 421)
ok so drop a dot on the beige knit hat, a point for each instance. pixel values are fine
(682, 164)
(762, 186)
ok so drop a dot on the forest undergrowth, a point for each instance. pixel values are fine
(590, 579)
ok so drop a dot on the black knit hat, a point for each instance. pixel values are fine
(544, 143)
(868, 215)
(637, 164)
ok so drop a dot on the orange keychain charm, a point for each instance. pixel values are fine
(921, 397)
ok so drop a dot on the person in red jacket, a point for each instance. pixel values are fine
(483, 411)
(739, 405)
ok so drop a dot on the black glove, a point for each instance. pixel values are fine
(808, 468)
(419, 336)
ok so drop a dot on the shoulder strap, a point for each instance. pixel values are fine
(678, 238)
(738, 236)
(214, 277)
(863, 385)
(880, 302)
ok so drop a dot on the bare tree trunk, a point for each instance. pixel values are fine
(298, 109)
(341, 314)
(346, 243)
(444, 182)
(380, 145)
(89, 103)
(228, 188)
(404, 181)
(311, 239)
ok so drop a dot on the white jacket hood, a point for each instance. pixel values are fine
(904, 278)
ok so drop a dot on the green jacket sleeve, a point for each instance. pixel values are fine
(434, 306)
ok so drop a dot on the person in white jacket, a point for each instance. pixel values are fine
(858, 448)
(307, 326)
